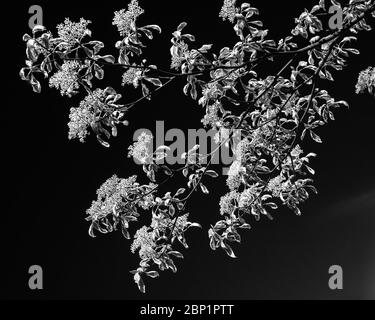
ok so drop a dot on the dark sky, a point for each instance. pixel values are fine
(50, 181)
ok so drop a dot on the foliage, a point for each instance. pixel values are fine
(280, 111)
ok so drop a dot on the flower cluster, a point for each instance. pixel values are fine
(277, 185)
(296, 151)
(132, 76)
(145, 242)
(162, 223)
(242, 150)
(125, 19)
(366, 80)
(67, 78)
(80, 119)
(247, 197)
(71, 33)
(222, 135)
(112, 187)
(228, 10)
(141, 150)
(229, 202)
(211, 117)
(235, 172)
(148, 199)
(210, 92)
(109, 195)
(85, 115)
(117, 194)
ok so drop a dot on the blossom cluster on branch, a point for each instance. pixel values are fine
(366, 80)
(275, 114)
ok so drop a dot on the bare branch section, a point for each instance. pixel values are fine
(273, 114)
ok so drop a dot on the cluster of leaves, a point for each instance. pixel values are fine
(274, 114)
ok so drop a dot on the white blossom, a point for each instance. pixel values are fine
(163, 223)
(67, 78)
(71, 33)
(131, 76)
(125, 19)
(229, 202)
(228, 10)
(83, 116)
(277, 185)
(211, 117)
(141, 150)
(366, 80)
(235, 172)
(247, 197)
(144, 241)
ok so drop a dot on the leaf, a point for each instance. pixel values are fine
(31, 53)
(186, 88)
(38, 28)
(108, 58)
(272, 205)
(35, 84)
(97, 45)
(227, 248)
(343, 102)
(194, 224)
(146, 91)
(148, 33)
(26, 37)
(189, 37)
(315, 137)
(154, 81)
(22, 74)
(245, 226)
(185, 172)
(212, 173)
(329, 75)
(193, 91)
(152, 274)
(315, 8)
(154, 27)
(91, 231)
(205, 47)
(99, 73)
(88, 52)
(171, 210)
(171, 265)
(311, 170)
(204, 188)
(176, 254)
(180, 205)
(125, 232)
(352, 50)
(141, 284)
(102, 142)
(181, 26)
(180, 191)
(123, 58)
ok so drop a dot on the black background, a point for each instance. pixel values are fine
(50, 181)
